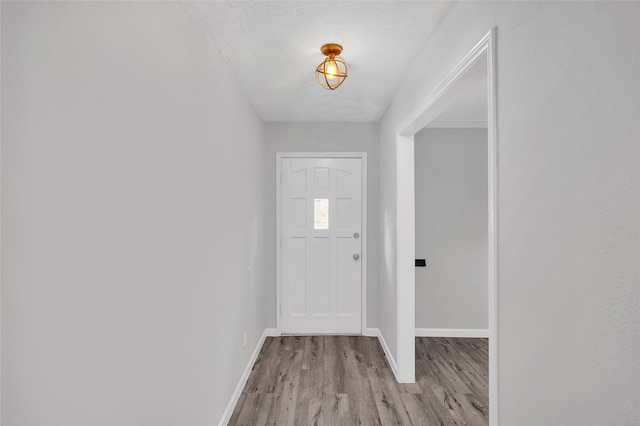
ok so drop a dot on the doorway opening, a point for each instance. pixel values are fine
(477, 66)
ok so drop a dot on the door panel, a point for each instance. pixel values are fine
(321, 278)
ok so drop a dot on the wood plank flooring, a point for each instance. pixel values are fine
(346, 380)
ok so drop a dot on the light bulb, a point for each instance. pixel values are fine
(331, 70)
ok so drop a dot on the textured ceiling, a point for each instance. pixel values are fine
(273, 47)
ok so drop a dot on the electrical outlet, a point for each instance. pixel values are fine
(244, 339)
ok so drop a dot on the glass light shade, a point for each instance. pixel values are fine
(332, 72)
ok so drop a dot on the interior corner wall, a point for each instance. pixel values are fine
(132, 241)
(451, 228)
(568, 202)
(321, 137)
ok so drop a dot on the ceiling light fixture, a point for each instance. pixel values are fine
(332, 72)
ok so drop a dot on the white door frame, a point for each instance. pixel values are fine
(456, 82)
(279, 157)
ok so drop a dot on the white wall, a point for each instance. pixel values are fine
(320, 137)
(568, 202)
(131, 210)
(451, 228)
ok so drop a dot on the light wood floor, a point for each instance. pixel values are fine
(345, 380)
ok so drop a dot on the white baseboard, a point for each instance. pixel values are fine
(271, 332)
(375, 332)
(452, 332)
(226, 416)
(371, 332)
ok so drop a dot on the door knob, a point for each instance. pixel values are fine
(356, 256)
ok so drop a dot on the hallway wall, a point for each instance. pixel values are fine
(132, 231)
(320, 137)
(568, 202)
(451, 228)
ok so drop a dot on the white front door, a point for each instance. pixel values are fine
(321, 235)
